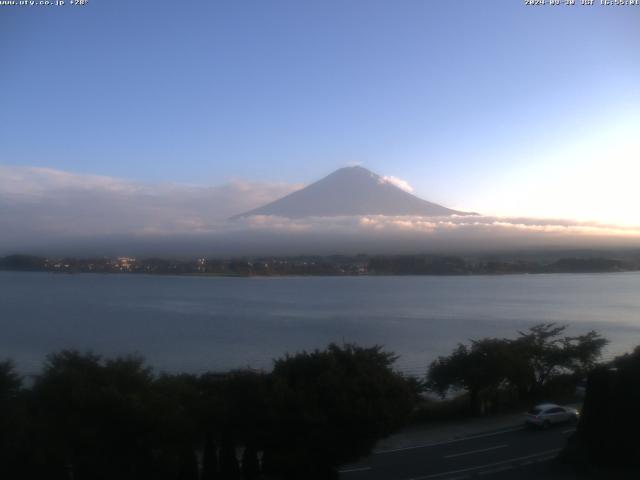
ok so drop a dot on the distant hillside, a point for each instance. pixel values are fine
(336, 265)
(351, 191)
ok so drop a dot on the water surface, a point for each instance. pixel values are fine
(201, 323)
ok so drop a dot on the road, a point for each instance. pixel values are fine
(490, 455)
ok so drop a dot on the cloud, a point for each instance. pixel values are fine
(412, 234)
(398, 182)
(44, 210)
(435, 226)
(46, 202)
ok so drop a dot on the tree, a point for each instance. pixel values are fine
(90, 418)
(176, 429)
(547, 354)
(11, 415)
(233, 414)
(584, 351)
(10, 382)
(331, 406)
(607, 434)
(525, 364)
(93, 418)
(480, 368)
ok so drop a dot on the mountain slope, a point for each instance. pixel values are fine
(351, 191)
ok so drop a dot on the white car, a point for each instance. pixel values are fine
(547, 414)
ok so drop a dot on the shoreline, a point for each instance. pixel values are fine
(346, 275)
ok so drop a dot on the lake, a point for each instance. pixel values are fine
(211, 323)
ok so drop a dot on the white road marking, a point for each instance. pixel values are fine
(426, 445)
(359, 469)
(570, 430)
(488, 465)
(475, 451)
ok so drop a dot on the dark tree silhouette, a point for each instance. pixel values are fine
(93, 419)
(11, 421)
(525, 364)
(479, 369)
(89, 418)
(547, 354)
(210, 466)
(250, 464)
(607, 434)
(331, 407)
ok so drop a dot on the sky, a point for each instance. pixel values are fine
(490, 106)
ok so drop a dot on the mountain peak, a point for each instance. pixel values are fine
(353, 168)
(353, 190)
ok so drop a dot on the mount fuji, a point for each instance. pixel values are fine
(351, 191)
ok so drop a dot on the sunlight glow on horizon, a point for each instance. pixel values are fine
(593, 178)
